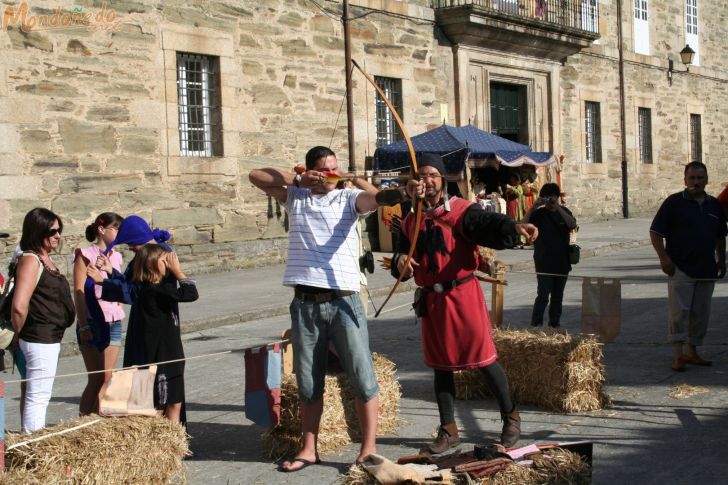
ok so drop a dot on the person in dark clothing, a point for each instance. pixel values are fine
(119, 287)
(551, 252)
(688, 234)
(158, 322)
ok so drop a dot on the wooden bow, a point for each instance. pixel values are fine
(413, 158)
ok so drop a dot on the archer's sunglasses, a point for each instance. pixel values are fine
(53, 232)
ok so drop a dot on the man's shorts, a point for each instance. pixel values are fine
(343, 322)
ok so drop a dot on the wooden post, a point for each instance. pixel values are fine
(496, 313)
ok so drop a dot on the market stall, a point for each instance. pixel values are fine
(499, 173)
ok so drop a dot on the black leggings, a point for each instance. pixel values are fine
(494, 377)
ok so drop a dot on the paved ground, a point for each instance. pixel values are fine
(645, 437)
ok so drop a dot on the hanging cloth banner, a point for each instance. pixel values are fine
(601, 308)
(263, 385)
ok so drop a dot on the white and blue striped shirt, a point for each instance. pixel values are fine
(323, 245)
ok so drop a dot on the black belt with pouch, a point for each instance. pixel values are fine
(419, 302)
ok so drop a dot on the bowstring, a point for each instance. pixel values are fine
(338, 115)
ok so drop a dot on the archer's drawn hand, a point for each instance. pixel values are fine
(104, 264)
(94, 273)
(311, 179)
(528, 231)
(415, 189)
(406, 271)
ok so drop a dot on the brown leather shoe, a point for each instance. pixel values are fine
(511, 428)
(447, 437)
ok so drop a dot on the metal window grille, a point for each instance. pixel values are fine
(578, 14)
(691, 16)
(640, 9)
(387, 129)
(644, 121)
(198, 93)
(590, 15)
(696, 141)
(592, 125)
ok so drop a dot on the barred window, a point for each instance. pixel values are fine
(691, 16)
(387, 129)
(198, 93)
(644, 121)
(640, 9)
(590, 15)
(593, 129)
(696, 139)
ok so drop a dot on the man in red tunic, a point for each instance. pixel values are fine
(456, 328)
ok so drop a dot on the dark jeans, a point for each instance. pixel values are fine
(553, 286)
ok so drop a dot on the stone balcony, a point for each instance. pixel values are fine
(549, 29)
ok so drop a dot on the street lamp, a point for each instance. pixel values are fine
(686, 56)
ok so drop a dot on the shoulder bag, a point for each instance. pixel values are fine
(7, 332)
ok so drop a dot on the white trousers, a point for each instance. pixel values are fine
(41, 360)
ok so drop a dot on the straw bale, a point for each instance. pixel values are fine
(123, 450)
(554, 466)
(551, 370)
(339, 425)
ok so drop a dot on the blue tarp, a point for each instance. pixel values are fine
(458, 145)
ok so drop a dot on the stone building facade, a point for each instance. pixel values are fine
(90, 116)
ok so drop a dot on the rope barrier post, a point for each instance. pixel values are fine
(498, 292)
(2, 427)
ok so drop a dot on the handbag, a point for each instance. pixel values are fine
(130, 392)
(574, 253)
(6, 325)
(7, 332)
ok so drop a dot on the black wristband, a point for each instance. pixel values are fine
(389, 197)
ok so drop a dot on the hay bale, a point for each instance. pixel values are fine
(552, 466)
(123, 450)
(551, 370)
(555, 465)
(339, 425)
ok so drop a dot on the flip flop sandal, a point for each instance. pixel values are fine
(304, 464)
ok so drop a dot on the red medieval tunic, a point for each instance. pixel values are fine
(456, 329)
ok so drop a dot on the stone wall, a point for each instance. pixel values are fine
(88, 116)
(595, 190)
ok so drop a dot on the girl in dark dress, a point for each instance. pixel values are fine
(158, 322)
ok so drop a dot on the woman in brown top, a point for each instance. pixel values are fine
(42, 310)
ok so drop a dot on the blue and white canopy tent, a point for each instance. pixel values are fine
(460, 146)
